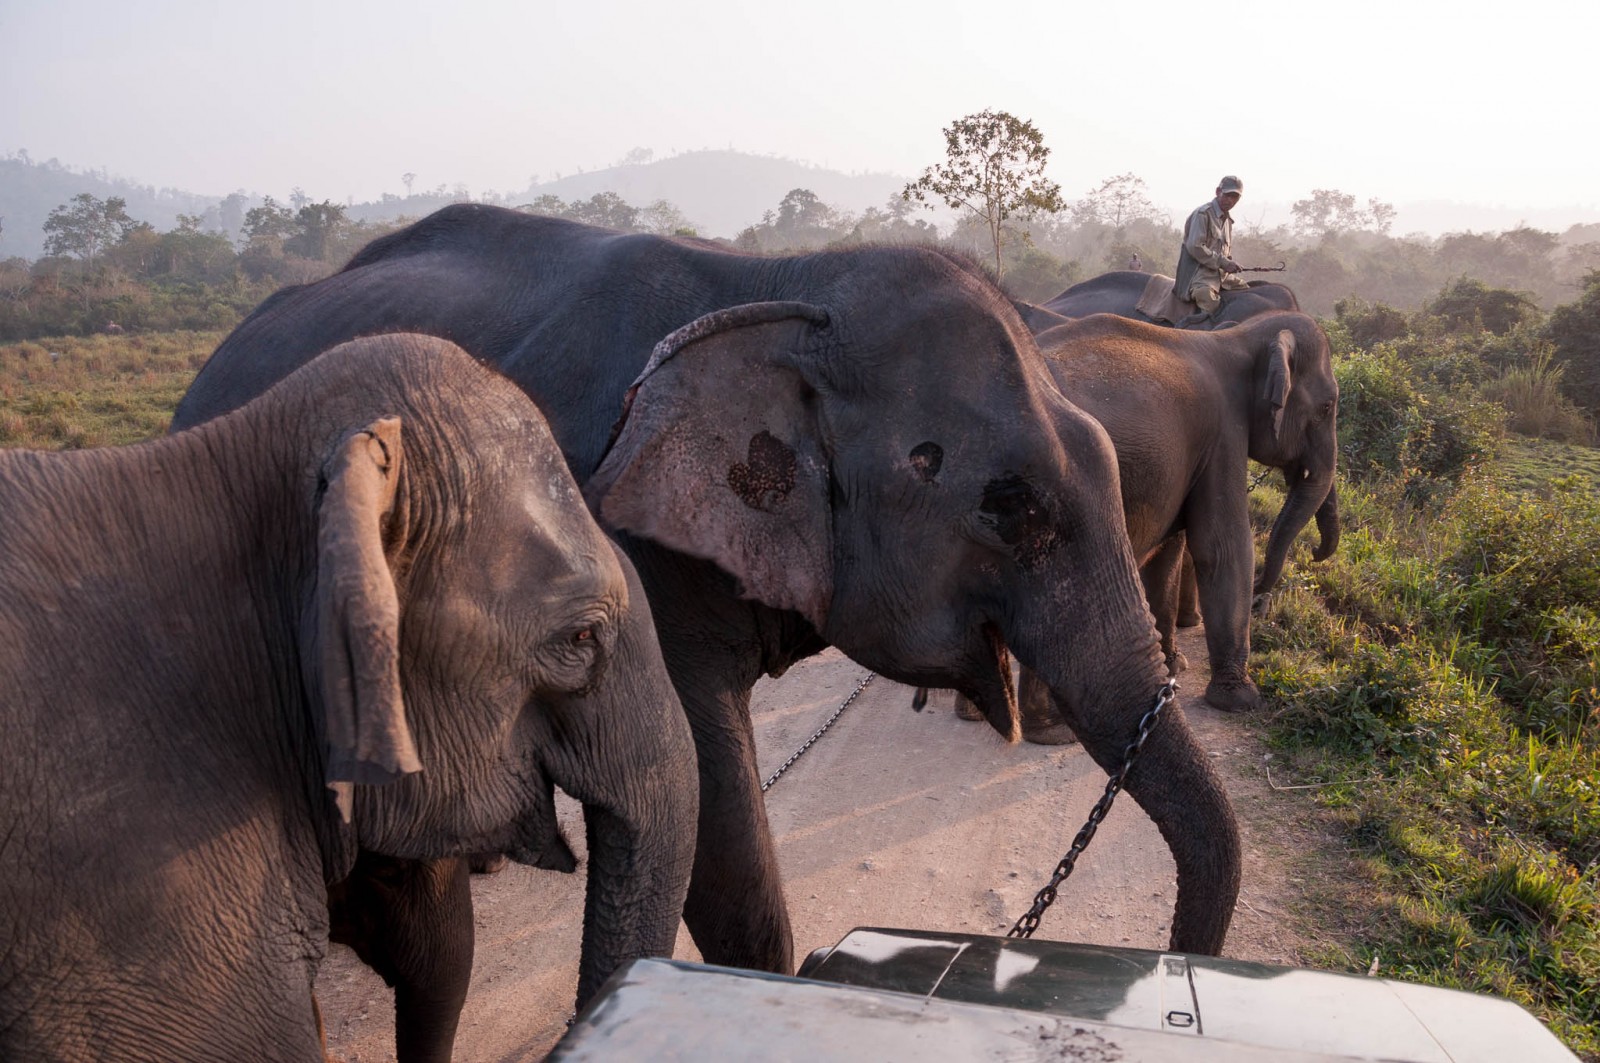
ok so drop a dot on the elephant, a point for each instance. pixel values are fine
(368, 611)
(1184, 411)
(1119, 291)
(795, 455)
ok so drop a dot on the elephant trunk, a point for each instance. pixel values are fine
(625, 751)
(1328, 526)
(1103, 677)
(638, 876)
(1309, 492)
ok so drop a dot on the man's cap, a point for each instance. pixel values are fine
(1231, 183)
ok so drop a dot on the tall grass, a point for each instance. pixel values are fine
(91, 391)
(1531, 394)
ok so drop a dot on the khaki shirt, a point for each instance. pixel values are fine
(1207, 241)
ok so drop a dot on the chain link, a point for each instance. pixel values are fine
(865, 680)
(1025, 926)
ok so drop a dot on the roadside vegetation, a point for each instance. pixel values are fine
(1436, 684)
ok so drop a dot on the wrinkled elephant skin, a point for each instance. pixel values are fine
(368, 610)
(796, 453)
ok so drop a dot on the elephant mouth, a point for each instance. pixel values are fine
(996, 694)
(537, 840)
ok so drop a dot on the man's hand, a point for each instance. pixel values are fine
(1230, 266)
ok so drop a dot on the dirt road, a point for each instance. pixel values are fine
(895, 818)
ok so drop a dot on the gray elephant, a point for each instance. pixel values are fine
(367, 611)
(1185, 411)
(1119, 292)
(795, 454)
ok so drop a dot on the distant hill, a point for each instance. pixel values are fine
(719, 192)
(29, 191)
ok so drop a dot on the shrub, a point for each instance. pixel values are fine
(1532, 397)
(1390, 426)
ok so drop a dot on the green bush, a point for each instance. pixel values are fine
(1391, 426)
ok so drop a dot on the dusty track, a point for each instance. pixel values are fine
(895, 818)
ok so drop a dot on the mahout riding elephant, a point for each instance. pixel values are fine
(1185, 411)
(368, 611)
(1119, 291)
(795, 454)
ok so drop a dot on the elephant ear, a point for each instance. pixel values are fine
(1275, 392)
(357, 617)
(718, 455)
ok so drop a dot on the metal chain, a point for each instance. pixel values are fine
(865, 680)
(1025, 926)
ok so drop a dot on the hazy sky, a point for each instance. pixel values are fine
(1404, 100)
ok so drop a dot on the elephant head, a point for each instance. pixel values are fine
(472, 639)
(925, 518)
(1294, 427)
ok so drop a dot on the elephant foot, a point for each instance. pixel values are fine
(1051, 734)
(1177, 663)
(1233, 697)
(966, 710)
(1040, 723)
(1189, 619)
(487, 863)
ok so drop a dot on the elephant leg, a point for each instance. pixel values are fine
(735, 908)
(716, 647)
(1188, 594)
(1224, 558)
(411, 921)
(1041, 723)
(966, 710)
(1162, 576)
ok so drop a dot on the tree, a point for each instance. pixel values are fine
(408, 179)
(1574, 331)
(993, 168)
(1116, 202)
(1469, 304)
(1330, 211)
(269, 222)
(87, 226)
(316, 224)
(605, 209)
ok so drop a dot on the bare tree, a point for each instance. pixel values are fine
(993, 168)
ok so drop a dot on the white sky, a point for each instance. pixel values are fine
(1404, 100)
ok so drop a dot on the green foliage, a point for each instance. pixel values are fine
(1469, 304)
(1391, 426)
(1574, 332)
(993, 169)
(1532, 397)
(1034, 275)
(87, 226)
(1440, 676)
(1368, 324)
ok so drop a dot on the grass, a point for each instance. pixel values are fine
(98, 390)
(1446, 665)
(1533, 465)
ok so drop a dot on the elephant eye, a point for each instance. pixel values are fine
(1014, 511)
(582, 635)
